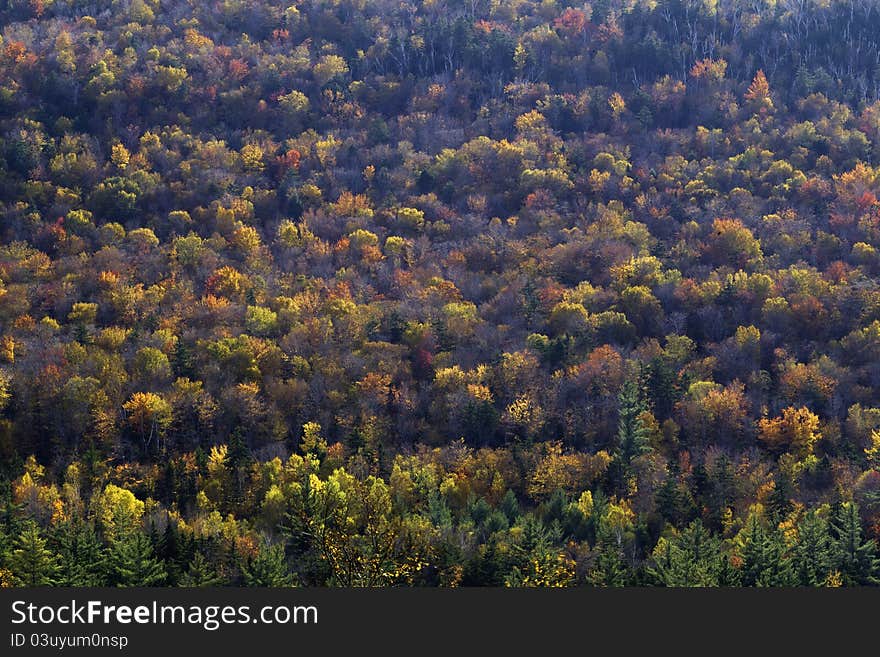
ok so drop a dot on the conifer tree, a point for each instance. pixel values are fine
(632, 437)
(510, 506)
(169, 551)
(133, 562)
(813, 551)
(764, 558)
(200, 573)
(80, 554)
(693, 558)
(31, 562)
(721, 492)
(609, 568)
(268, 568)
(238, 457)
(854, 557)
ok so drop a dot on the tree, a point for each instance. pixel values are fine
(855, 558)
(692, 558)
(132, 562)
(632, 436)
(31, 562)
(238, 458)
(117, 511)
(268, 568)
(795, 431)
(537, 562)
(813, 555)
(765, 559)
(200, 573)
(758, 93)
(149, 415)
(80, 554)
(732, 243)
(609, 568)
(152, 366)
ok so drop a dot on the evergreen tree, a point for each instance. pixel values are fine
(488, 565)
(693, 558)
(668, 497)
(304, 535)
(609, 568)
(721, 490)
(854, 557)
(81, 554)
(133, 562)
(183, 360)
(238, 458)
(439, 511)
(169, 551)
(780, 505)
(674, 501)
(510, 506)
(663, 386)
(813, 551)
(764, 558)
(200, 573)
(632, 436)
(268, 568)
(31, 562)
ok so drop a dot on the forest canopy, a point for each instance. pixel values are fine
(439, 292)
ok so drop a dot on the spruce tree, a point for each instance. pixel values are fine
(854, 557)
(663, 386)
(80, 554)
(168, 549)
(200, 573)
(609, 568)
(268, 568)
(813, 551)
(510, 506)
(669, 498)
(183, 360)
(302, 529)
(693, 558)
(632, 437)
(765, 562)
(133, 562)
(31, 562)
(238, 458)
(721, 490)
(779, 505)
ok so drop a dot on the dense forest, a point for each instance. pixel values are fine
(439, 292)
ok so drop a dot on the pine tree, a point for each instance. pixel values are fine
(693, 558)
(674, 501)
(632, 437)
(609, 568)
(813, 551)
(183, 360)
(303, 531)
(765, 562)
(81, 555)
(133, 562)
(663, 386)
(268, 568)
(200, 573)
(855, 558)
(168, 549)
(31, 562)
(510, 506)
(721, 492)
(238, 457)
(779, 505)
